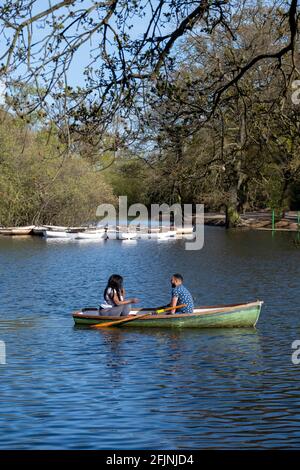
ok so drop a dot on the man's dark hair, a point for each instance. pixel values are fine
(178, 276)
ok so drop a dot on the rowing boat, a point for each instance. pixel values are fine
(98, 234)
(219, 316)
(16, 231)
(127, 235)
(144, 234)
(56, 234)
(186, 230)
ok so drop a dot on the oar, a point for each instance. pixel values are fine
(134, 317)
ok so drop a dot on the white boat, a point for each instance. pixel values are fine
(57, 234)
(185, 230)
(166, 234)
(120, 233)
(188, 236)
(127, 235)
(156, 234)
(130, 241)
(91, 235)
(57, 228)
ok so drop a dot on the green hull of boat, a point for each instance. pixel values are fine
(243, 316)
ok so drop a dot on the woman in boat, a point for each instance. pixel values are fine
(115, 304)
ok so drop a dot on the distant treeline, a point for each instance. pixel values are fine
(42, 183)
(234, 148)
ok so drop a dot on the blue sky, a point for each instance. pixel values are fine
(82, 57)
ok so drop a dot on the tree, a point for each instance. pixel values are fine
(225, 155)
(41, 45)
(37, 186)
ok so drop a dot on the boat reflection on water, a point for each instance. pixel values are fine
(184, 351)
(205, 381)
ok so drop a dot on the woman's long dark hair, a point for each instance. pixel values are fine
(115, 282)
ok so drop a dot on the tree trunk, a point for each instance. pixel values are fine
(238, 179)
(232, 215)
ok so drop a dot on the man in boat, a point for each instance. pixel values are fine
(180, 295)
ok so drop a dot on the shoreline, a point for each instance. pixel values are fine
(260, 220)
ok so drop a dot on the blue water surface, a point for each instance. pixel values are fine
(71, 388)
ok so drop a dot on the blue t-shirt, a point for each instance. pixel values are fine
(184, 297)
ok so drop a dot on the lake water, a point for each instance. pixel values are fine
(69, 388)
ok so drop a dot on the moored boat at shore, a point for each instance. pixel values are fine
(185, 230)
(223, 316)
(64, 232)
(17, 231)
(148, 234)
(127, 235)
(57, 234)
(98, 234)
(156, 234)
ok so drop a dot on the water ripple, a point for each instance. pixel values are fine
(67, 388)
